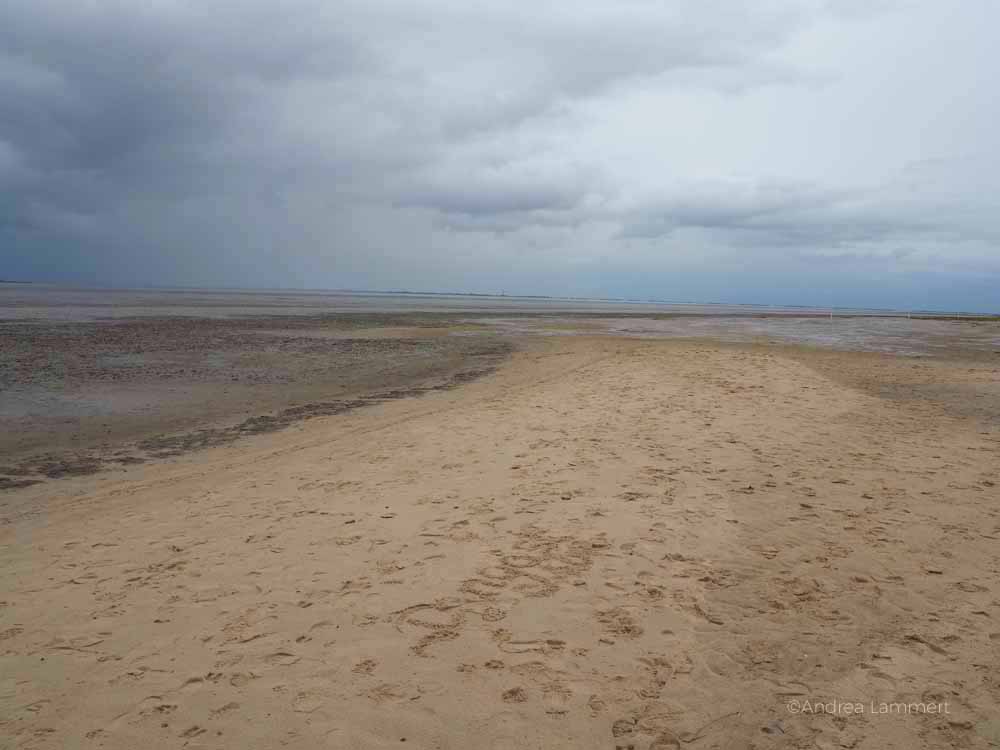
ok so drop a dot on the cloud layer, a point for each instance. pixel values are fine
(784, 150)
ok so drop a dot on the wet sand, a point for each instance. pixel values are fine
(84, 396)
(604, 543)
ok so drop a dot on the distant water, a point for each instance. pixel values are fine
(41, 302)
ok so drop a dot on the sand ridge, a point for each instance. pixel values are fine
(607, 544)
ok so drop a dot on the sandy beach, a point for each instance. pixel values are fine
(499, 375)
(602, 543)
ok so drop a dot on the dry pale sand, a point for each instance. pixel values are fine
(606, 544)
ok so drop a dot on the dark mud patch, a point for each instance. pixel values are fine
(9, 483)
(958, 384)
(35, 469)
(84, 396)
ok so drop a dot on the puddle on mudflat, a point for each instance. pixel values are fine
(894, 335)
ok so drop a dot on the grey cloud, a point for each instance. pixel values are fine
(316, 138)
(102, 86)
(472, 187)
(726, 206)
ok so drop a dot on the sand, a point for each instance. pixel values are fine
(606, 543)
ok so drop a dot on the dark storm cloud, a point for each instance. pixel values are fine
(125, 89)
(128, 88)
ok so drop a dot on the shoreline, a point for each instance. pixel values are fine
(136, 390)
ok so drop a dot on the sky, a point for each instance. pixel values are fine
(818, 152)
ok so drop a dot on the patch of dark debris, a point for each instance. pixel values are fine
(9, 483)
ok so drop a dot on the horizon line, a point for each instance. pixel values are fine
(504, 295)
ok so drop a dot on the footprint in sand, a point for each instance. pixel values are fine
(514, 695)
(366, 667)
(505, 642)
(281, 659)
(231, 706)
(307, 702)
(620, 622)
(556, 698)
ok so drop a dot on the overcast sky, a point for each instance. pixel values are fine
(785, 151)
